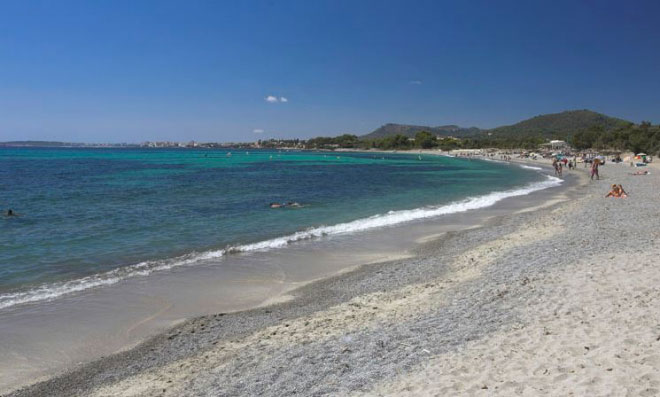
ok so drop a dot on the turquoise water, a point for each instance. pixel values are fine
(122, 212)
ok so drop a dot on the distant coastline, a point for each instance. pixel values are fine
(54, 144)
(581, 129)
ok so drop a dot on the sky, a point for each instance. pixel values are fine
(222, 71)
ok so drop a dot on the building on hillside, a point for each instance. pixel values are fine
(555, 145)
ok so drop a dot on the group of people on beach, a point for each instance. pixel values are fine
(559, 165)
(616, 191)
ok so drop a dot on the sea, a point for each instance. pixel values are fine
(88, 218)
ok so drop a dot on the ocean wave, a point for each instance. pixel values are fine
(529, 167)
(55, 290)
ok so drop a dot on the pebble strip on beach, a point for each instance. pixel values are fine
(556, 300)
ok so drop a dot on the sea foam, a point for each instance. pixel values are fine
(52, 291)
(529, 167)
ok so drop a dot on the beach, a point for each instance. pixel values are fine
(332, 198)
(553, 298)
(130, 266)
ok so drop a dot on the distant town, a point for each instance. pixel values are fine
(270, 143)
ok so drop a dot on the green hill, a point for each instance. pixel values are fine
(555, 125)
(392, 129)
(559, 125)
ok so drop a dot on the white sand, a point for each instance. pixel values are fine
(594, 330)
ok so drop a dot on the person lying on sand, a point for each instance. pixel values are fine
(639, 173)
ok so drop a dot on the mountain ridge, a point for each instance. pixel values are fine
(410, 130)
(551, 125)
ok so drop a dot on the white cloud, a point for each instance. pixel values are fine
(258, 131)
(415, 82)
(274, 99)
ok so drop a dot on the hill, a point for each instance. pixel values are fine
(555, 125)
(392, 129)
(559, 125)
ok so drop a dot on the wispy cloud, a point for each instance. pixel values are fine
(283, 99)
(415, 82)
(258, 131)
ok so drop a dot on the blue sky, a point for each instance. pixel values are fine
(113, 71)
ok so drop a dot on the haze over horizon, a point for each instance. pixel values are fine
(130, 72)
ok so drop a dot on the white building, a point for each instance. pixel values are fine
(558, 144)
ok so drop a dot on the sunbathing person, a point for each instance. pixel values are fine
(614, 192)
(639, 173)
(621, 191)
(617, 191)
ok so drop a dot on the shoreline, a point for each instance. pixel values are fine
(257, 317)
(57, 289)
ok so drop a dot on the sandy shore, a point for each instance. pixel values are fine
(558, 299)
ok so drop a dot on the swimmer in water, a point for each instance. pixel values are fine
(275, 205)
(11, 212)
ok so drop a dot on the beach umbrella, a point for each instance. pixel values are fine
(642, 154)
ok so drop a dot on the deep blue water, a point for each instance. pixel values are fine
(88, 211)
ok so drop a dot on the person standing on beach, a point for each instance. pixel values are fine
(594, 170)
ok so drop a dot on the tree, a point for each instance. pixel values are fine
(448, 144)
(425, 140)
(346, 141)
(393, 142)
